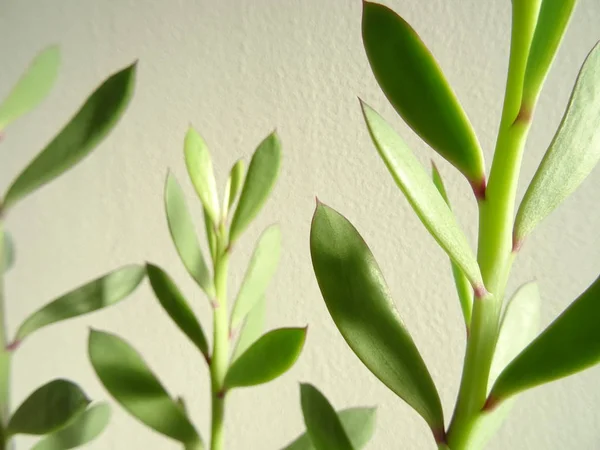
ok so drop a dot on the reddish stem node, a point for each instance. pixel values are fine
(480, 291)
(479, 187)
(439, 435)
(490, 404)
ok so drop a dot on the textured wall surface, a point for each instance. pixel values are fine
(236, 69)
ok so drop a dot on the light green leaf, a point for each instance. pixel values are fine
(259, 182)
(569, 345)
(252, 328)
(573, 153)
(33, 86)
(211, 235)
(268, 358)
(258, 275)
(92, 123)
(414, 84)
(463, 287)
(200, 169)
(358, 423)
(184, 237)
(176, 307)
(552, 22)
(322, 423)
(100, 293)
(360, 304)
(236, 177)
(49, 408)
(422, 194)
(132, 384)
(8, 251)
(84, 429)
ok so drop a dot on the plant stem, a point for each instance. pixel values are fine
(4, 354)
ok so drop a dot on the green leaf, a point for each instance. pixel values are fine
(8, 251)
(92, 123)
(132, 384)
(268, 358)
(358, 423)
(176, 307)
(259, 182)
(200, 169)
(184, 237)
(51, 407)
(414, 84)
(422, 194)
(569, 345)
(322, 422)
(252, 328)
(463, 287)
(100, 293)
(573, 153)
(236, 178)
(84, 429)
(360, 304)
(211, 235)
(551, 25)
(261, 269)
(33, 86)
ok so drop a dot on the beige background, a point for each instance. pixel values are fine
(236, 70)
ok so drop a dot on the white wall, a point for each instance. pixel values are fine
(236, 69)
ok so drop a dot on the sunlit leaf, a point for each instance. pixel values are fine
(236, 177)
(252, 328)
(211, 235)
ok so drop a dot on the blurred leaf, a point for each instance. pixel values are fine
(184, 235)
(569, 345)
(49, 408)
(259, 182)
(322, 422)
(176, 307)
(414, 84)
(422, 194)
(360, 304)
(132, 384)
(33, 86)
(261, 269)
(92, 123)
(8, 252)
(200, 169)
(358, 423)
(100, 293)
(236, 177)
(463, 287)
(84, 429)
(268, 358)
(252, 328)
(573, 153)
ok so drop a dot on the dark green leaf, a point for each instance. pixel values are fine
(92, 123)
(268, 358)
(84, 429)
(322, 423)
(252, 328)
(49, 408)
(176, 307)
(8, 251)
(414, 84)
(100, 293)
(132, 384)
(360, 304)
(259, 182)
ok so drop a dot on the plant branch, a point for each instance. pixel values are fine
(5, 355)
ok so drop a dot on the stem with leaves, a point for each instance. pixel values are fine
(5, 355)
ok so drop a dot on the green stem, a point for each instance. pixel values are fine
(5, 355)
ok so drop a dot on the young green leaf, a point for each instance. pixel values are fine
(569, 345)
(322, 423)
(200, 169)
(236, 177)
(259, 182)
(49, 408)
(252, 328)
(176, 307)
(8, 250)
(132, 384)
(573, 153)
(33, 86)
(414, 84)
(463, 288)
(422, 194)
(92, 123)
(100, 293)
(85, 428)
(360, 304)
(358, 423)
(268, 358)
(211, 235)
(184, 237)
(260, 271)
